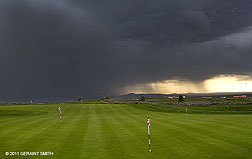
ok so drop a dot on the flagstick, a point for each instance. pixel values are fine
(149, 138)
(186, 111)
(148, 126)
(59, 108)
(148, 130)
(60, 115)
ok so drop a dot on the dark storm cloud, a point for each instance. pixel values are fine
(63, 49)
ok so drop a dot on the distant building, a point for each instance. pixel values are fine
(174, 97)
(242, 96)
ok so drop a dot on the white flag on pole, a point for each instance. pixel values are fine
(148, 121)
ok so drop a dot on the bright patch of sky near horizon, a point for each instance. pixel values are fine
(222, 83)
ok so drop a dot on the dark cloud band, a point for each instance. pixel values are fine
(64, 49)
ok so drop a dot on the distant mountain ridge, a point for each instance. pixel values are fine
(190, 95)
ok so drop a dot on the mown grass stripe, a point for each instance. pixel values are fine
(29, 123)
(140, 145)
(71, 145)
(14, 120)
(94, 142)
(192, 136)
(210, 130)
(110, 135)
(29, 130)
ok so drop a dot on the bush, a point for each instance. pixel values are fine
(79, 98)
(104, 97)
(142, 98)
(181, 99)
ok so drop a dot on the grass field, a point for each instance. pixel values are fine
(119, 131)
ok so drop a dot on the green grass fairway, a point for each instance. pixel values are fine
(119, 131)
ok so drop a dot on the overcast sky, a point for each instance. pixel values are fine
(61, 49)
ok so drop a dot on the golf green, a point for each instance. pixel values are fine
(120, 131)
